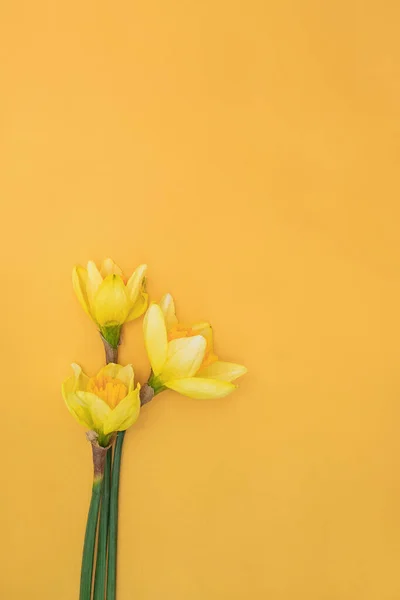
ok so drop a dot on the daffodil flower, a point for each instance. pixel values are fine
(106, 403)
(182, 358)
(108, 298)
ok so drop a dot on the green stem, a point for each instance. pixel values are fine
(113, 523)
(90, 540)
(101, 564)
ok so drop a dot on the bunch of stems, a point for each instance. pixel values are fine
(102, 521)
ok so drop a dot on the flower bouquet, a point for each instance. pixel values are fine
(181, 358)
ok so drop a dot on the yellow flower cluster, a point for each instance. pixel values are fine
(182, 357)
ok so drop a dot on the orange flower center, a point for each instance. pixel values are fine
(111, 390)
(209, 358)
(180, 331)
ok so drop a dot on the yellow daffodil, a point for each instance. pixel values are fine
(105, 403)
(182, 358)
(108, 297)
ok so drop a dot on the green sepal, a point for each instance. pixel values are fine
(104, 440)
(156, 384)
(112, 334)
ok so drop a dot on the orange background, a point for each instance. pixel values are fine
(248, 152)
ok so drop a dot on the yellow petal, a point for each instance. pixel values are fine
(167, 305)
(99, 410)
(79, 409)
(184, 357)
(225, 371)
(110, 304)
(197, 387)
(205, 330)
(135, 282)
(155, 338)
(124, 414)
(139, 306)
(79, 283)
(108, 267)
(77, 381)
(124, 374)
(94, 280)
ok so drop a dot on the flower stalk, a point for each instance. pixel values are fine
(110, 350)
(146, 394)
(102, 541)
(99, 455)
(113, 525)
